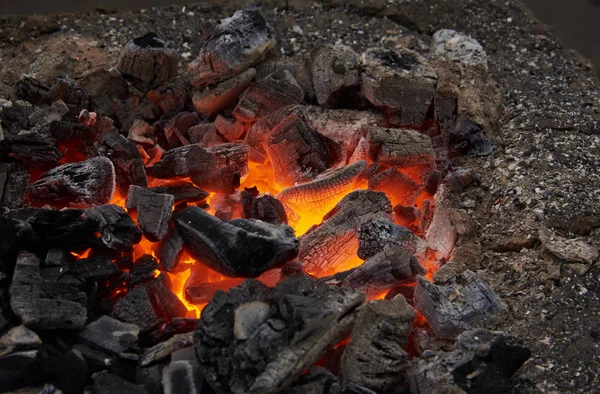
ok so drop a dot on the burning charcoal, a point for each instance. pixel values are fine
(124, 112)
(182, 376)
(202, 293)
(36, 149)
(399, 81)
(13, 183)
(110, 335)
(258, 132)
(147, 62)
(95, 268)
(56, 258)
(335, 240)
(298, 153)
(164, 349)
(336, 76)
(406, 290)
(205, 134)
(231, 166)
(108, 383)
(177, 127)
(181, 191)
(276, 91)
(153, 211)
(405, 216)
(31, 90)
(213, 99)
(47, 115)
(398, 186)
(375, 357)
(136, 308)
(231, 155)
(183, 162)
(401, 147)
(44, 305)
(117, 230)
(320, 381)
(229, 128)
(66, 90)
(305, 317)
(171, 97)
(482, 362)
(462, 304)
(327, 188)
(142, 133)
(238, 248)
(441, 234)
(380, 272)
(235, 44)
(426, 216)
(170, 250)
(91, 182)
(264, 207)
(166, 302)
(381, 234)
(142, 270)
(467, 138)
(124, 155)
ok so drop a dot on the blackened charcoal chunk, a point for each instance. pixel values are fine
(13, 183)
(95, 268)
(320, 381)
(165, 301)
(14, 116)
(264, 207)
(110, 335)
(142, 270)
(171, 98)
(82, 184)
(183, 162)
(235, 44)
(401, 147)
(463, 303)
(56, 258)
(153, 211)
(238, 248)
(36, 149)
(136, 308)
(379, 235)
(117, 230)
(170, 250)
(128, 164)
(147, 61)
(181, 191)
(469, 139)
(182, 376)
(108, 383)
(31, 90)
(66, 90)
(211, 100)
(336, 76)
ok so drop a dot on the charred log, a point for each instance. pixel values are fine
(142, 133)
(467, 138)
(177, 127)
(205, 134)
(164, 300)
(202, 293)
(231, 166)
(153, 211)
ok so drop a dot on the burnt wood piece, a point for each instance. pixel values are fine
(129, 166)
(30, 89)
(400, 188)
(198, 291)
(211, 100)
(380, 272)
(153, 211)
(320, 381)
(117, 230)
(177, 127)
(336, 75)
(181, 191)
(375, 357)
(13, 184)
(401, 147)
(278, 90)
(74, 96)
(482, 362)
(43, 305)
(231, 166)
(406, 216)
(234, 44)
(170, 249)
(136, 308)
(406, 290)
(46, 115)
(142, 133)
(110, 335)
(147, 62)
(463, 303)
(331, 243)
(142, 270)
(108, 383)
(36, 149)
(162, 350)
(183, 162)
(468, 138)
(182, 376)
(426, 215)
(55, 258)
(205, 134)
(164, 300)
(265, 338)
(298, 66)
(327, 188)
(264, 207)
(441, 233)
(258, 132)
(238, 248)
(95, 268)
(382, 234)
(400, 81)
(231, 129)
(124, 112)
(82, 184)
(171, 98)
(298, 153)
(14, 116)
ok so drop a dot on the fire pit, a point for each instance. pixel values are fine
(242, 212)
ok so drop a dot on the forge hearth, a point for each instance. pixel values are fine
(246, 222)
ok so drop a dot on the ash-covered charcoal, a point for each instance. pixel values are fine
(329, 245)
(136, 308)
(231, 129)
(298, 66)
(467, 138)
(171, 98)
(375, 357)
(276, 91)
(382, 234)
(143, 270)
(298, 153)
(441, 234)
(162, 350)
(142, 133)
(147, 62)
(108, 383)
(463, 303)
(170, 249)
(153, 211)
(336, 76)
(205, 134)
(400, 81)
(482, 362)
(110, 335)
(30, 89)
(399, 147)
(231, 155)
(258, 132)
(36, 149)
(183, 162)
(211, 100)
(75, 97)
(238, 248)
(401, 189)
(263, 207)
(95, 268)
(117, 230)
(128, 164)
(13, 184)
(182, 376)
(91, 182)
(234, 44)
(324, 190)
(124, 112)
(380, 272)
(46, 115)
(254, 339)
(231, 166)
(461, 49)
(44, 305)
(177, 127)
(320, 381)
(181, 191)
